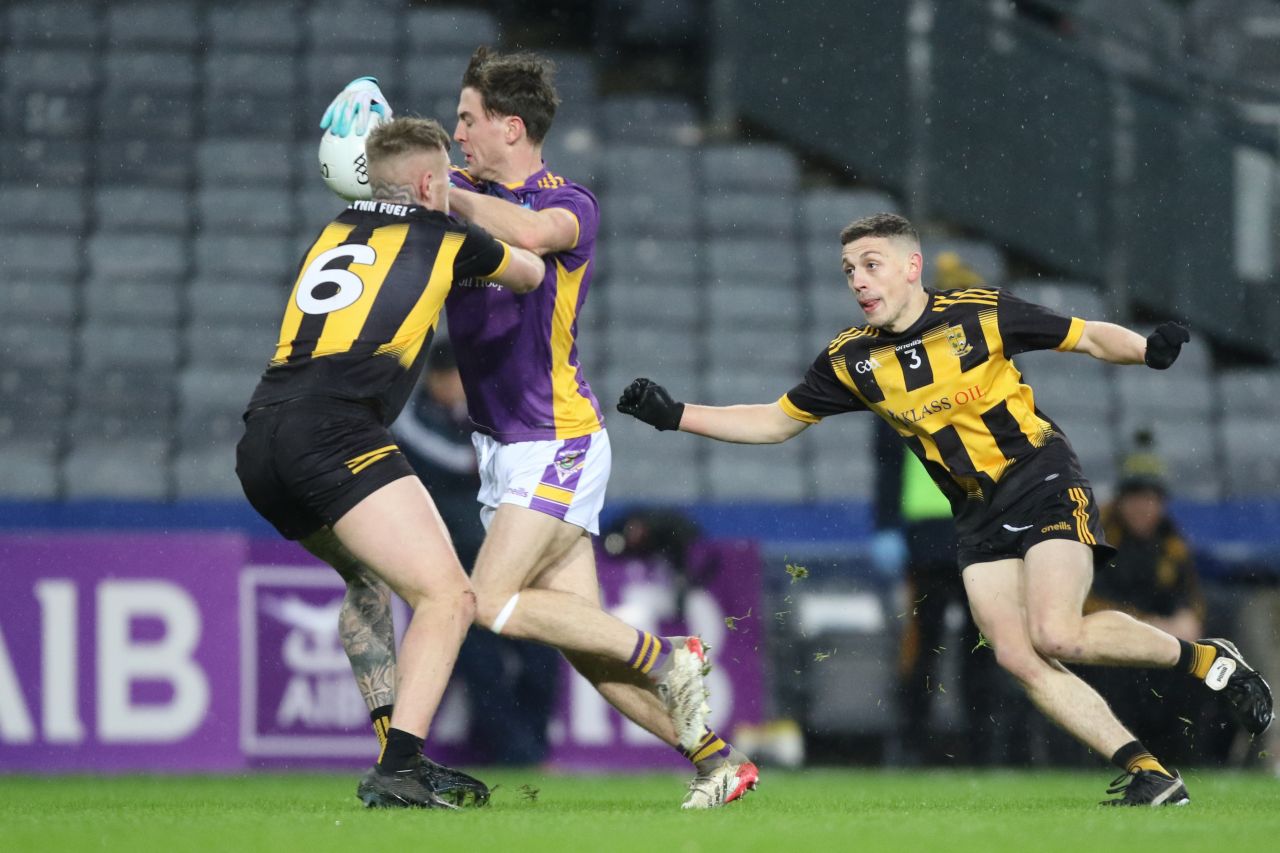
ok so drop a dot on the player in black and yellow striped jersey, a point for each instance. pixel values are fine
(938, 367)
(318, 462)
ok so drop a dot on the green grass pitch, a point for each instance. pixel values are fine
(812, 811)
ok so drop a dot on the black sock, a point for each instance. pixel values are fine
(1186, 656)
(1133, 756)
(401, 749)
(381, 718)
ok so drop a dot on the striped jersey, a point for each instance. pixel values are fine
(518, 353)
(366, 301)
(947, 385)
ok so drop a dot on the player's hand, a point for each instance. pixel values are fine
(1164, 344)
(648, 401)
(350, 111)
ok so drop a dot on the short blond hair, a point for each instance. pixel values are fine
(404, 134)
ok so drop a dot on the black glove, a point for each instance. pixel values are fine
(1164, 344)
(650, 402)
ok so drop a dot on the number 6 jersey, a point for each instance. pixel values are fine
(366, 302)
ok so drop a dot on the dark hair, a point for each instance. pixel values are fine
(402, 134)
(515, 84)
(879, 225)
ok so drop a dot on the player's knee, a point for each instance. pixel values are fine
(1056, 640)
(1020, 661)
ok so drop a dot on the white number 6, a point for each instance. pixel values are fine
(349, 284)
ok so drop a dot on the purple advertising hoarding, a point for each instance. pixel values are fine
(214, 652)
(116, 651)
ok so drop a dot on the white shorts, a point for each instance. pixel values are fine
(564, 478)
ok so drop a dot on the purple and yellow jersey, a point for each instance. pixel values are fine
(518, 353)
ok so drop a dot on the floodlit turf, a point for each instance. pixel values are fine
(814, 811)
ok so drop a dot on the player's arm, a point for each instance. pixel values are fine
(763, 423)
(522, 271)
(543, 231)
(1118, 345)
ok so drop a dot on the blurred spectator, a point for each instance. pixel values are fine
(510, 684)
(1154, 578)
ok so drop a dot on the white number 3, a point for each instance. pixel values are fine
(915, 358)
(350, 286)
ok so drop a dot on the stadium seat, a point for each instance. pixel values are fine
(152, 24)
(249, 345)
(727, 383)
(130, 209)
(44, 162)
(251, 95)
(650, 118)
(767, 169)
(253, 25)
(1189, 448)
(1072, 299)
(153, 71)
(141, 257)
(119, 299)
(243, 163)
(431, 78)
(48, 93)
(31, 394)
(654, 349)
(824, 212)
(654, 170)
(216, 300)
(247, 257)
(46, 345)
(150, 163)
(1056, 392)
(1251, 447)
(831, 305)
(52, 23)
(209, 473)
(627, 215)
(141, 390)
(39, 254)
(211, 388)
(255, 211)
(649, 466)
(1254, 391)
(64, 70)
(135, 470)
(838, 456)
(33, 114)
(757, 303)
(776, 259)
(1143, 392)
(45, 300)
(451, 28)
(334, 25)
(105, 345)
(55, 208)
(646, 260)
(30, 471)
(663, 303)
(768, 473)
(577, 79)
(727, 214)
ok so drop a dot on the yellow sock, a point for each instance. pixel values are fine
(1146, 761)
(1202, 658)
(381, 718)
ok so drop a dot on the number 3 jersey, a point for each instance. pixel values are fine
(949, 388)
(366, 302)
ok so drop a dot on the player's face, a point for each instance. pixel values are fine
(482, 138)
(884, 275)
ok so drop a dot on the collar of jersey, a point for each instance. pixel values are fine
(531, 180)
(922, 320)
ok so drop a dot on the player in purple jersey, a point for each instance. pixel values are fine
(543, 450)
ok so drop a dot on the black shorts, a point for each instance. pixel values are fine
(1045, 498)
(1070, 514)
(305, 463)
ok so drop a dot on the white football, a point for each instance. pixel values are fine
(343, 165)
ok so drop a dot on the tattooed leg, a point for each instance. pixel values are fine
(364, 622)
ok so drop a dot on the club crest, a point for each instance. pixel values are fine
(959, 344)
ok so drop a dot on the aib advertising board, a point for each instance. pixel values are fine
(216, 652)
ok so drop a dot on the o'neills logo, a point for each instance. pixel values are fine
(942, 404)
(1061, 525)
